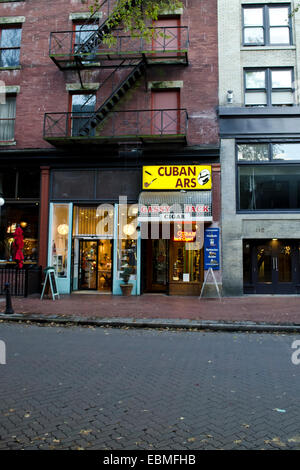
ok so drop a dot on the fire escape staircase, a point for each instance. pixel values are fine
(137, 67)
(95, 39)
(118, 93)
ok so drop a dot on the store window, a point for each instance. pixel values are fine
(10, 43)
(27, 217)
(268, 178)
(185, 254)
(127, 240)
(94, 221)
(7, 119)
(59, 242)
(268, 87)
(20, 183)
(265, 25)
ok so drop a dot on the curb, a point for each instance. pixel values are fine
(156, 323)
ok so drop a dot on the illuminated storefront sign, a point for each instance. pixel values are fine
(184, 236)
(187, 177)
(176, 213)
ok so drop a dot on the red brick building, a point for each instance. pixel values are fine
(80, 125)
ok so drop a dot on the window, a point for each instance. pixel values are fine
(82, 108)
(82, 33)
(268, 87)
(268, 178)
(10, 43)
(7, 119)
(267, 25)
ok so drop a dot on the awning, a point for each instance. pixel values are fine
(176, 206)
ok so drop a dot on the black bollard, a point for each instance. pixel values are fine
(9, 309)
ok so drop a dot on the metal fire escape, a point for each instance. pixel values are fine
(84, 49)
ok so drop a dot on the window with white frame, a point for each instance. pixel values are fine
(267, 25)
(7, 119)
(268, 87)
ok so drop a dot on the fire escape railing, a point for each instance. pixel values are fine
(171, 41)
(140, 123)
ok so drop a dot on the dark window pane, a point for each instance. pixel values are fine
(73, 185)
(112, 184)
(29, 183)
(269, 187)
(247, 263)
(8, 179)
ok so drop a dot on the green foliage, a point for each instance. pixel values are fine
(136, 16)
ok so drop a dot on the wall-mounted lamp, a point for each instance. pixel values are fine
(229, 96)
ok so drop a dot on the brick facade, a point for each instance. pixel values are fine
(43, 85)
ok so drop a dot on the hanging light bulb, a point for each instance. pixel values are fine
(63, 229)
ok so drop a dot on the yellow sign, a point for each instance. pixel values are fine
(193, 177)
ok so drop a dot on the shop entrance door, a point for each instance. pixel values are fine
(95, 265)
(274, 266)
(157, 254)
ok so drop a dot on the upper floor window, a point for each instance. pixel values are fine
(7, 119)
(268, 87)
(82, 107)
(267, 25)
(10, 43)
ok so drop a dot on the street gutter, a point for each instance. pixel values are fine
(155, 323)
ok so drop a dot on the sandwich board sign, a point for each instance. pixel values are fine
(51, 280)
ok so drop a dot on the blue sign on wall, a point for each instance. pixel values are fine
(212, 248)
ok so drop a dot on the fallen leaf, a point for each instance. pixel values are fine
(294, 439)
(191, 439)
(86, 431)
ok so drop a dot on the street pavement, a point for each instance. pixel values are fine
(109, 389)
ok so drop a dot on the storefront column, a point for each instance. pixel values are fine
(44, 215)
(216, 192)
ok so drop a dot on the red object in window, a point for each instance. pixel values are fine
(165, 112)
(18, 246)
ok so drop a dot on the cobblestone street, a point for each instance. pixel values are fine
(99, 388)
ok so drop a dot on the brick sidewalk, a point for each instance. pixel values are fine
(271, 309)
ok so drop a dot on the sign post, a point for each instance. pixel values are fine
(51, 279)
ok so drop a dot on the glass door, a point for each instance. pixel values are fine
(88, 265)
(156, 259)
(274, 266)
(104, 266)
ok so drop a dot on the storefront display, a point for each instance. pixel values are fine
(60, 231)
(27, 216)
